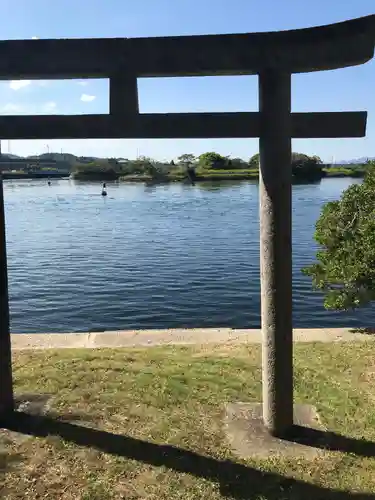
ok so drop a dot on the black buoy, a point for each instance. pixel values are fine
(49, 183)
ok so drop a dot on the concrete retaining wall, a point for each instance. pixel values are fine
(131, 338)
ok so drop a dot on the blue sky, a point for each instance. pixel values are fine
(348, 89)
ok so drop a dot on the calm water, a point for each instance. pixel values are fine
(151, 257)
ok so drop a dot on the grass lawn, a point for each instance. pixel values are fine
(205, 174)
(158, 419)
(345, 172)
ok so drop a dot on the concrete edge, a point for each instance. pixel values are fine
(178, 336)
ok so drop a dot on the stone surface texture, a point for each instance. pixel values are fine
(275, 212)
(146, 338)
(249, 438)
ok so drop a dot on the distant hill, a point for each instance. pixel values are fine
(8, 156)
(68, 157)
(356, 160)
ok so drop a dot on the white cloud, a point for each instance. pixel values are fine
(87, 97)
(49, 106)
(34, 38)
(46, 108)
(11, 108)
(83, 83)
(19, 84)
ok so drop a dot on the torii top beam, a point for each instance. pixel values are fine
(123, 60)
(328, 47)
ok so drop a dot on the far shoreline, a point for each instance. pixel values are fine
(143, 179)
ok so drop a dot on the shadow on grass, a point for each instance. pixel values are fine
(363, 330)
(331, 441)
(236, 480)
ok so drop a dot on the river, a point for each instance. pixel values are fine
(152, 257)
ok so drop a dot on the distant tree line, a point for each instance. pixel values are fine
(304, 167)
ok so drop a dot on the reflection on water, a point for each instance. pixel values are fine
(151, 256)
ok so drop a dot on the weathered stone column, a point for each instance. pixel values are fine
(123, 95)
(276, 249)
(6, 385)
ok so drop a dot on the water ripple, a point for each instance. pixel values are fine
(151, 257)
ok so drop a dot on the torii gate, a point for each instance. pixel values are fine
(274, 57)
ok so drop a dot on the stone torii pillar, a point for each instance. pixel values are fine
(275, 195)
(274, 56)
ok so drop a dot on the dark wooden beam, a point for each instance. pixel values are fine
(123, 95)
(321, 48)
(176, 125)
(329, 125)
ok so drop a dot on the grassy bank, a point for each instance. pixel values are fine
(228, 175)
(240, 174)
(254, 173)
(176, 175)
(159, 411)
(345, 172)
(202, 175)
